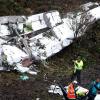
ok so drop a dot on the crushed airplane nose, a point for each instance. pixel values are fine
(41, 36)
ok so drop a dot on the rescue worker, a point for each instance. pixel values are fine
(94, 89)
(64, 91)
(71, 93)
(81, 93)
(78, 66)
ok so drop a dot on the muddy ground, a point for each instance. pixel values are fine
(58, 68)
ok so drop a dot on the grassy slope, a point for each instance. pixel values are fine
(60, 66)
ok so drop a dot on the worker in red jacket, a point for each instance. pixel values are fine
(71, 91)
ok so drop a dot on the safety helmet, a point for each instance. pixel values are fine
(75, 82)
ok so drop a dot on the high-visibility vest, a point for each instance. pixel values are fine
(71, 92)
(78, 65)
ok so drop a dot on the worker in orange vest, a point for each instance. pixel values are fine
(71, 91)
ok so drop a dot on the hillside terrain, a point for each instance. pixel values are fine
(57, 68)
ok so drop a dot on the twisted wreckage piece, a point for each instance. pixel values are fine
(37, 37)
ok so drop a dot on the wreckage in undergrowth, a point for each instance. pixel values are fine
(37, 37)
(81, 92)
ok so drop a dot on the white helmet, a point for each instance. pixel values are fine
(75, 82)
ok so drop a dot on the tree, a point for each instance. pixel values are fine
(79, 22)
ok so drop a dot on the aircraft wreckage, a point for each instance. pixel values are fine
(37, 37)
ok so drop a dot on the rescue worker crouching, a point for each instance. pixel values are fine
(71, 92)
(94, 89)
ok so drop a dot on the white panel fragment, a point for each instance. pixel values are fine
(52, 18)
(97, 97)
(4, 30)
(14, 54)
(37, 22)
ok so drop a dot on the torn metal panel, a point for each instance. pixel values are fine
(4, 30)
(37, 22)
(11, 19)
(14, 54)
(44, 45)
(89, 6)
(95, 13)
(55, 89)
(52, 18)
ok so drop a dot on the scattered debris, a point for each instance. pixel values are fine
(24, 77)
(80, 91)
(97, 97)
(55, 89)
(26, 39)
(89, 6)
(37, 98)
